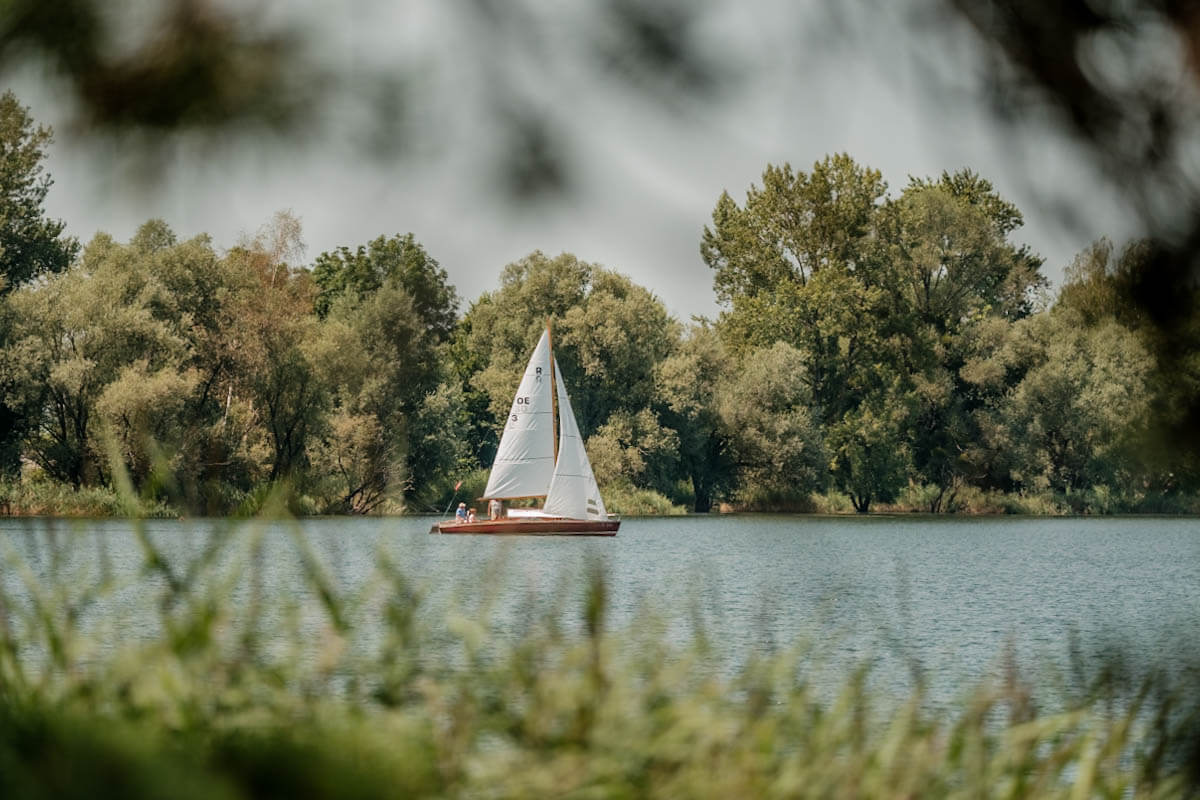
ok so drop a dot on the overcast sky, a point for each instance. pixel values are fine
(644, 172)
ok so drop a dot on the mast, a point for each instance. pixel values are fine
(553, 394)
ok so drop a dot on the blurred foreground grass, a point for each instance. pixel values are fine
(377, 701)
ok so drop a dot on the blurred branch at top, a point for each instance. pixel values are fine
(178, 64)
(159, 68)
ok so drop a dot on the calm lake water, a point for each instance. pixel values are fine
(947, 595)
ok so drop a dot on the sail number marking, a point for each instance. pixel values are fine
(520, 401)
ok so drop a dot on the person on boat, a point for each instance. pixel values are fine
(471, 515)
(494, 509)
(461, 514)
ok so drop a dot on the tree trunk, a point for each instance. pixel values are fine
(703, 498)
(951, 498)
(935, 505)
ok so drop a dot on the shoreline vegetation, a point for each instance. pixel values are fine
(876, 350)
(47, 499)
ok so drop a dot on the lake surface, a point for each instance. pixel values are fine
(945, 596)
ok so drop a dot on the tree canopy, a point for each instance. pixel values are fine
(30, 243)
(887, 348)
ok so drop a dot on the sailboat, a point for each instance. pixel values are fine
(531, 463)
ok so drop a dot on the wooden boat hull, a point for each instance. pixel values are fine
(532, 527)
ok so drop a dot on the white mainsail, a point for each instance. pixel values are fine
(573, 491)
(524, 461)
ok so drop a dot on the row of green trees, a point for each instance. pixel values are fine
(924, 347)
(869, 345)
(209, 375)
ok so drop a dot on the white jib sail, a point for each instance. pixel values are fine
(524, 460)
(573, 490)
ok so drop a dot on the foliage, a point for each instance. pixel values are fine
(439, 447)
(831, 502)
(1081, 404)
(147, 413)
(454, 487)
(273, 330)
(775, 498)
(355, 458)
(765, 417)
(792, 228)
(868, 343)
(623, 498)
(362, 353)
(1133, 129)
(635, 449)
(608, 334)
(949, 244)
(870, 460)
(686, 402)
(30, 243)
(880, 297)
(188, 66)
(1099, 281)
(401, 261)
(79, 332)
(40, 497)
(387, 308)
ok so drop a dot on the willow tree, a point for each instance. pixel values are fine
(1072, 421)
(801, 262)
(397, 311)
(765, 411)
(271, 337)
(687, 403)
(952, 265)
(875, 293)
(31, 244)
(110, 349)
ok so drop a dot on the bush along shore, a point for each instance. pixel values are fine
(49, 498)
